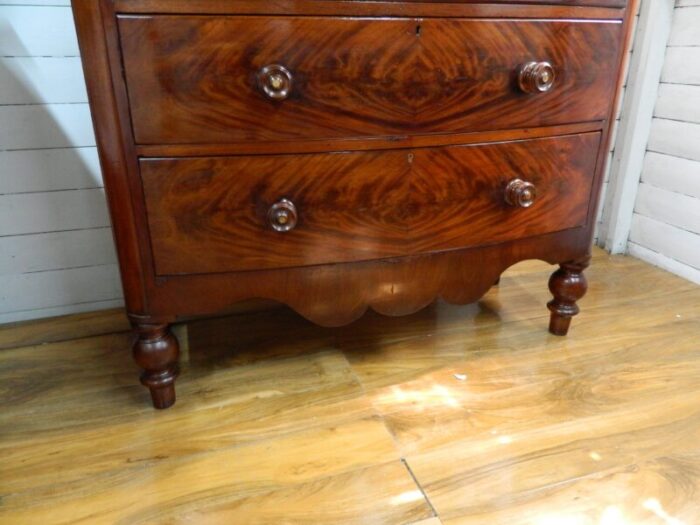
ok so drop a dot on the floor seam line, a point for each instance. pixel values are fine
(420, 487)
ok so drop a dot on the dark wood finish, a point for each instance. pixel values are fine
(520, 193)
(211, 214)
(195, 79)
(156, 351)
(432, 46)
(338, 294)
(429, 8)
(115, 143)
(568, 285)
(363, 144)
(536, 77)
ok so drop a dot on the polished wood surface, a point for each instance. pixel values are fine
(594, 9)
(452, 416)
(212, 214)
(338, 294)
(194, 75)
(363, 144)
(195, 79)
(61, 328)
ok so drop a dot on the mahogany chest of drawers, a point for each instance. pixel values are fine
(339, 155)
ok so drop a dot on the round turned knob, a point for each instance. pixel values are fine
(536, 77)
(282, 215)
(520, 193)
(275, 81)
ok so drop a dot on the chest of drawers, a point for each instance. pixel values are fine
(339, 155)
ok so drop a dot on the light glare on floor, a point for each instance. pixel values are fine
(406, 497)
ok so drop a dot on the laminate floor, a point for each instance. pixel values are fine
(454, 415)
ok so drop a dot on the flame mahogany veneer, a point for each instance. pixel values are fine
(339, 155)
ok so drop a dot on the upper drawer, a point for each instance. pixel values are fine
(200, 79)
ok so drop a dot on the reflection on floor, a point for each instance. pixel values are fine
(454, 415)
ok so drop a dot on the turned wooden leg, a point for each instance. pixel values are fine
(156, 351)
(568, 285)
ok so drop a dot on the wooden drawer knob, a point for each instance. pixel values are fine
(536, 77)
(520, 193)
(282, 215)
(275, 81)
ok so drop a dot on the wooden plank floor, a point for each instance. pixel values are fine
(455, 415)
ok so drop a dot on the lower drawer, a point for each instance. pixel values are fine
(225, 214)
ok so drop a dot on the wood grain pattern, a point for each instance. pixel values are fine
(109, 114)
(337, 294)
(364, 144)
(210, 214)
(541, 429)
(190, 81)
(194, 63)
(64, 327)
(427, 8)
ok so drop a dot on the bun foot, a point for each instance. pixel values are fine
(163, 397)
(558, 324)
(568, 285)
(156, 351)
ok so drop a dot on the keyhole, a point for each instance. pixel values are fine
(418, 30)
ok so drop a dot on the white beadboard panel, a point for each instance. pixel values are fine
(680, 139)
(52, 211)
(665, 226)
(678, 102)
(660, 260)
(682, 65)
(35, 30)
(27, 315)
(673, 242)
(41, 80)
(686, 27)
(45, 126)
(50, 170)
(31, 291)
(669, 207)
(672, 173)
(58, 250)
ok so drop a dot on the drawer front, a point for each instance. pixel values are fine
(221, 214)
(205, 79)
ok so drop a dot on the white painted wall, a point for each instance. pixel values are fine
(56, 251)
(665, 227)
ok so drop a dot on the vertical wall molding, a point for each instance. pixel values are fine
(646, 64)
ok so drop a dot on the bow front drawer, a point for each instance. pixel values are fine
(232, 79)
(220, 214)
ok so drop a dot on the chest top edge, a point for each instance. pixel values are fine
(418, 8)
